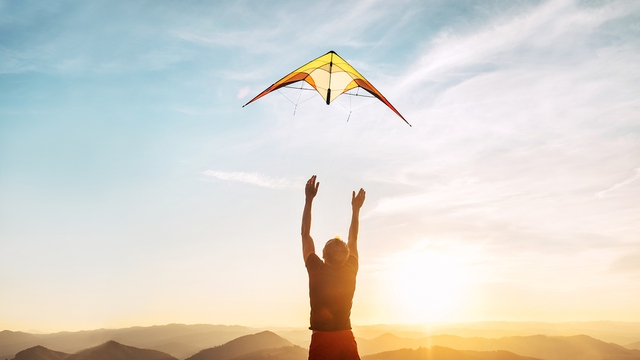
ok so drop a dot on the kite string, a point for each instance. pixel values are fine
(286, 146)
(297, 102)
(344, 128)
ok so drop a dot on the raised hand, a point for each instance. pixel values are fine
(311, 188)
(357, 200)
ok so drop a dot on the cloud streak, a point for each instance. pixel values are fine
(556, 24)
(255, 179)
(624, 182)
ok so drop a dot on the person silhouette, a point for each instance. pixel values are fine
(332, 283)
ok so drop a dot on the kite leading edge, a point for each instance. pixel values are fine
(331, 76)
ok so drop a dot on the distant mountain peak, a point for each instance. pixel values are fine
(114, 350)
(242, 345)
(39, 352)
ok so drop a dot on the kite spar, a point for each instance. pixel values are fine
(331, 76)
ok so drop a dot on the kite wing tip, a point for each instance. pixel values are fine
(403, 119)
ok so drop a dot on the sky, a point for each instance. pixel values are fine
(136, 190)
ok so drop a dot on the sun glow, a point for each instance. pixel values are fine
(426, 286)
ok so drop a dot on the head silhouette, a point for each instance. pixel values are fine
(335, 252)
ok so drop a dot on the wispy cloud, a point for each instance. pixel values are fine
(242, 93)
(624, 182)
(556, 24)
(256, 179)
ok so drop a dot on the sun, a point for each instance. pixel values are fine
(426, 286)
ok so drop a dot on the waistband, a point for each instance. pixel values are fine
(331, 332)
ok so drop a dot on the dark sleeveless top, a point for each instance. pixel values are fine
(331, 292)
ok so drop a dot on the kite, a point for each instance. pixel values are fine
(331, 76)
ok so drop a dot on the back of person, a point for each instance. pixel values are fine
(331, 292)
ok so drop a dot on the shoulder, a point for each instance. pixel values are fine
(352, 263)
(313, 262)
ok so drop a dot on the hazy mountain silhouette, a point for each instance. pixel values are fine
(13, 341)
(112, 350)
(40, 353)
(7, 337)
(635, 345)
(608, 331)
(579, 347)
(177, 340)
(388, 342)
(281, 353)
(443, 353)
(182, 341)
(242, 346)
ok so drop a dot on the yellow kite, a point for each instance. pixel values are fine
(331, 76)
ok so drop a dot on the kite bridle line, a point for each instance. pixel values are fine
(347, 93)
(295, 104)
(297, 101)
(350, 108)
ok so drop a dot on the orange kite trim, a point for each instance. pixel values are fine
(331, 76)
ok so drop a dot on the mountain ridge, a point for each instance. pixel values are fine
(112, 350)
(40, 353)
(241, 346)
(178, 340)
(537, 346)
(184, 341)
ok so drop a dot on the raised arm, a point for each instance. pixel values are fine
(356, 204)
(310, 191)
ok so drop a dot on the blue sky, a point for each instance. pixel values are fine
(136, 190)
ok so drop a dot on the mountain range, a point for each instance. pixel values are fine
(110, 350)
(216, 342)
(443, 353)
(242, 345)
(261, 346)
(538, 346)
(178, 340)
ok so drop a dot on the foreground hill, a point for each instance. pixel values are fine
(112, 350)
(282, 353)
(579, 347)
(242, 346)
(40, 353)
(443, 353)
